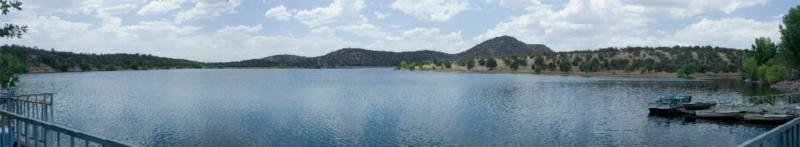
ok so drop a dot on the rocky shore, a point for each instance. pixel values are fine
(787, 86)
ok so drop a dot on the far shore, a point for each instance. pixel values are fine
(574, 72)
(612, 73)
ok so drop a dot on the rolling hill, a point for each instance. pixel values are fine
(499, 46)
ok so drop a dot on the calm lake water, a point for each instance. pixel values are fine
(382, 107)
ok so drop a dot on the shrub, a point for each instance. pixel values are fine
(774, 73)
(491, 63)
(537, 69)
(750, 68)
(10, 68)
(470, 64)
(687, 70)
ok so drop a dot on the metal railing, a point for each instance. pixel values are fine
(25, 121)
(35, 106)
(21, 131)
(787, 134)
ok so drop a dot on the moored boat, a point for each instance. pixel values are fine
(699, 105)
(661, 110)
(673, 100)
(723, 114)
(767, 118)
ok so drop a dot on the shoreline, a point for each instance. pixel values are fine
(593, 74)
(475, 70)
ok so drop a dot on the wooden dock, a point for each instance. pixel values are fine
(753, 114)
(775, 109)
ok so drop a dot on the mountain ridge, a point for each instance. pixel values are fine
(498, 46)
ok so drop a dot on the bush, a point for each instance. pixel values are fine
(687, 70)
(470, 64)
(491, 63)
(10, 68)
(750, 68)
(537, 69)
(565, 67)
(774, 73)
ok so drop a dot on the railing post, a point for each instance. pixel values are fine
(58, 139)
(44, 139)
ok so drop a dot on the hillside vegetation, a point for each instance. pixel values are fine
(499, 46)
(341, 58)
(38, 60)
(683, 60)
(777, 63)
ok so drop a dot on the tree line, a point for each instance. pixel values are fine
(683, 60)
(68, 61)
(769, 62)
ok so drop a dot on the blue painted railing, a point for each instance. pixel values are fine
(787, 134)
(24, 121)
(35, 106)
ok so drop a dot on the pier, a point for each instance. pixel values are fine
(780, 109)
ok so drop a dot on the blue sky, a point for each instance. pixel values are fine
(229, 30)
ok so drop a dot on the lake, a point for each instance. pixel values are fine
(383, 107)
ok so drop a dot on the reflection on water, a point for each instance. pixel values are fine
(380, 107)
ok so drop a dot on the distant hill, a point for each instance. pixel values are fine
(38, 60)
(363, 57)
(627, 60)
(341, 57)
(499, 46)
(278, 61)
(504, 45)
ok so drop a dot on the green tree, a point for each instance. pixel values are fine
(482, 62)
(687, 70)
(764, 50)
(790, 32)
(538, 60)
(491, 63)
(585, 67)
(750, 68)
(10, 66)
(772, 73)
(536, 69)
(470, 64)
(565, 67)
(11, 30)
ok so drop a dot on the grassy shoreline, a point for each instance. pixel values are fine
(575, 72)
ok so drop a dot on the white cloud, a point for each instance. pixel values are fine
(80, 6)
(168, 39)
(338, 11)
(602, 23)
(279, 13)
(422, 38)
(208, 9)
(729, 32)
(117, 9)
(364, 30)
(516, 4)
(692, 8)
(576, 24)
(380, 15)
(323, 31)
(155, 7)
(431, 10)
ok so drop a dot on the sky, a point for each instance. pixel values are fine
(232, 30)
